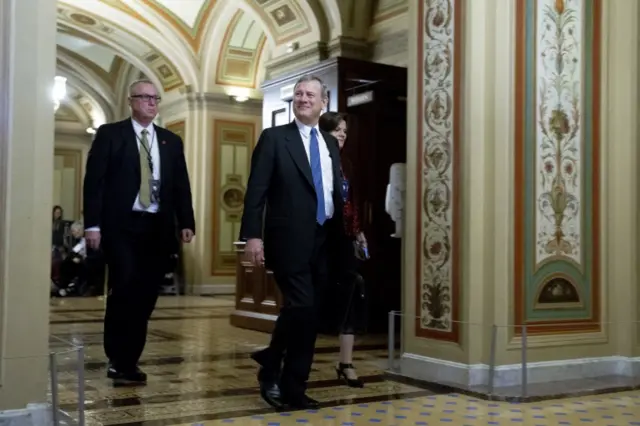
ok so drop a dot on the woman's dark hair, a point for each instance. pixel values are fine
(57, 223)
(53, 212)
(329, 121)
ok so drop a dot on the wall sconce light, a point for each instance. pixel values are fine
(59, 91)
(240, 98)
(91, 130)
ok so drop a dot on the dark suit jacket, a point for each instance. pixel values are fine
(112, 181)
(281, 179)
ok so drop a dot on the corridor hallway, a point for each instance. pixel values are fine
(200, 373)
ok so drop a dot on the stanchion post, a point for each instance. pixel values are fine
(391, 340)
(53, 372)
(492, 357)
(81, 386)
(524, 361)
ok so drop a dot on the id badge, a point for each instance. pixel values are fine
(154, 190)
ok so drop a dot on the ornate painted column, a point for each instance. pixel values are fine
(525, 206)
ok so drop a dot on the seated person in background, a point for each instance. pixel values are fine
(73, 268)
(58, 227)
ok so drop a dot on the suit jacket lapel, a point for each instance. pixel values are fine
(131, 146)
(162, 149)
(296, 149)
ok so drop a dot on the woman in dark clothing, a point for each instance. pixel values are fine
(351, 286)
(58, 227)
(57, 242)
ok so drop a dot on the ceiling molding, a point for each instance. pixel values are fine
(304, 57)
(92, 71)
(265, 57)
(216, 102)
(192, 35)
(121, 50)
(217, 32)
(128, 76)
(320, 27)
(285, 19)
(332, 15)
(170, 34)
(79, 72)
(79, 114)
(109, 77)
(237, 66)
(133, 37)
(104, 106)
(198, 54)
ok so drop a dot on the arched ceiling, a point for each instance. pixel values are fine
(205, 45)
(79, 110)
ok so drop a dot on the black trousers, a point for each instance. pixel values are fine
(70, 270)
(294, 337)
(135, 258)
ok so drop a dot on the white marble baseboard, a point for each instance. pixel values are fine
(465, 375)
(33, 415)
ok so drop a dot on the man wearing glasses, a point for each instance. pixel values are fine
(136, 189)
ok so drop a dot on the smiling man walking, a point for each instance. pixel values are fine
(295, 173)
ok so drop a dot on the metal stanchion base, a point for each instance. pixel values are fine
(66, 419)
(58, 416)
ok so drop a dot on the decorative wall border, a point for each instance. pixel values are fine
(438, 171)
(526, 116)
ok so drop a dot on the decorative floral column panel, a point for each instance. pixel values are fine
(557, 172)
(438, 266)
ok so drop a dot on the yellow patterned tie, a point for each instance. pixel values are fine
(145, 170)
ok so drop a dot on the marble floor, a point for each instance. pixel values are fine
(200, 374)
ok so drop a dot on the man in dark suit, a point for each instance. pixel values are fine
(136, 188)
(295, 173)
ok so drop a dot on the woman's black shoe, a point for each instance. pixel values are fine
(352, 383)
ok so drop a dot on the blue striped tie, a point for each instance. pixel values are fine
(316, 172)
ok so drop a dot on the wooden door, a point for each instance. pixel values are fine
(377, 139)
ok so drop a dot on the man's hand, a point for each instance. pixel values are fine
(254, 251)
(187, 235)
(93, 239)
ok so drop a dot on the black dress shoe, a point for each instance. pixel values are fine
(270, 393)
(302, 402)
(133, 376)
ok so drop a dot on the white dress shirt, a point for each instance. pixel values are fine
(81, 248)
(325, 162)
(155, 159)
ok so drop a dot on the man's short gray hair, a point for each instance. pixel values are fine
(77, 227)
(140, 81)
(310, 77)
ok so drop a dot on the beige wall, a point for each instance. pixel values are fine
(70, 158)
(486, 192)
(26, 167)
(219, 137)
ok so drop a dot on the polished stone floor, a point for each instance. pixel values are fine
(200, 374)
